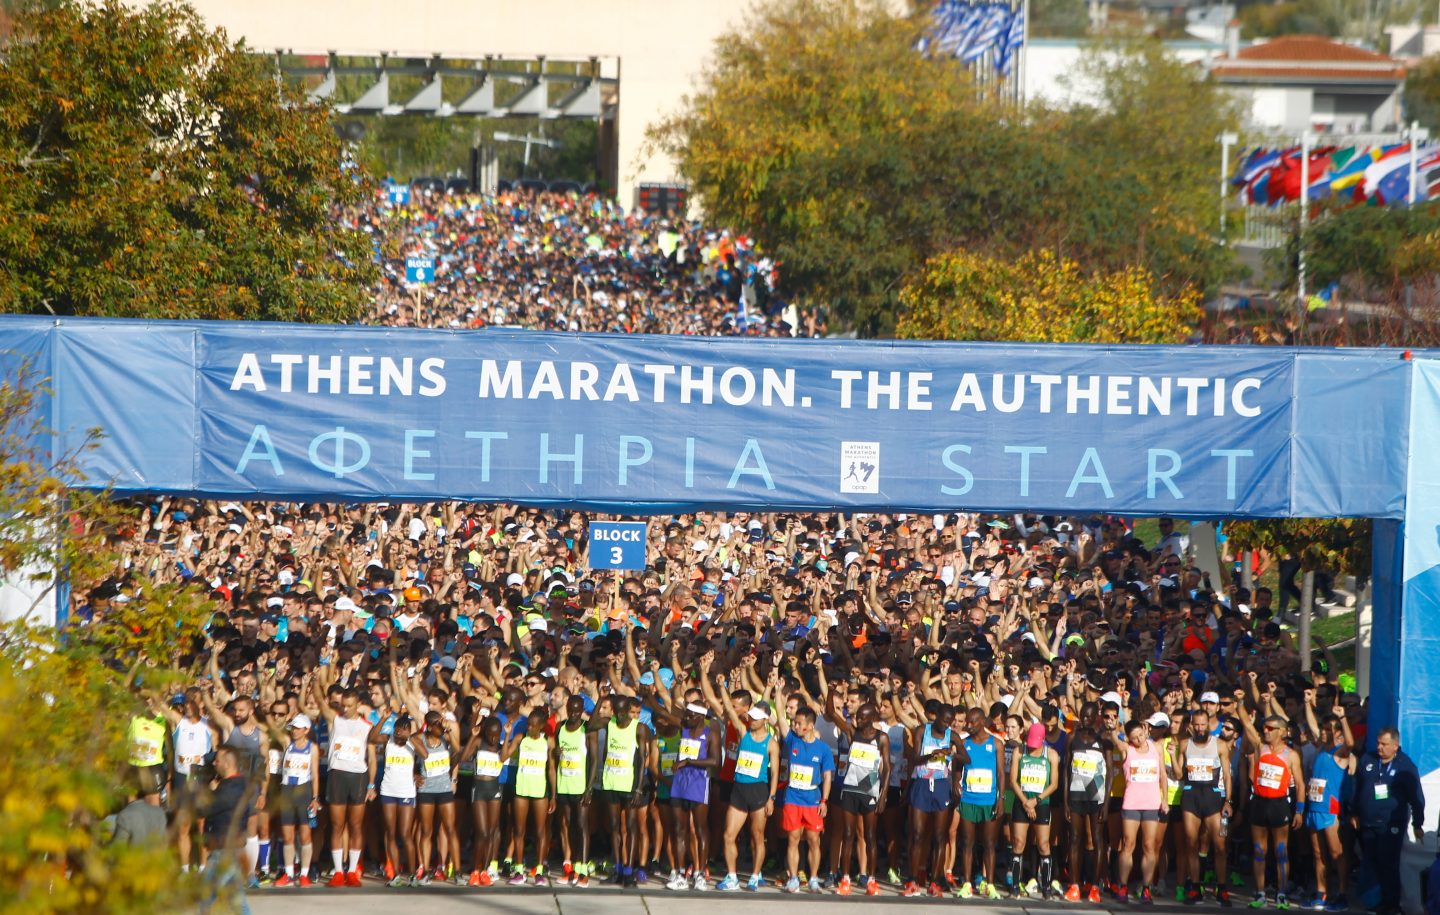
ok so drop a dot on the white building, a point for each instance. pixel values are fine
(1305, 82)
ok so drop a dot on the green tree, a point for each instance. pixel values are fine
(853, 159)
(150, 167)
(1341, 545)
(1039, 297)
(1375, 252)
(1139, 167)
(65, 703)
(849, 156)
(1422, 94)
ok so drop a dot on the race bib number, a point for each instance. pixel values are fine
(349, 749)
(748, 764)
(1085, 766)
(532, 764)
(979, 781)
(689, 748)
(1144, 771)
(864, 756)
(1270, 775)
(437, 764)
(572, 762)
(191, 760)
(1200, 770)
(273, 762)
(667, 763)
(802, 777)
(487, 764)
(1317, 790)
(616, 765)
(392, 758)
(1033, 780)
(146, 752)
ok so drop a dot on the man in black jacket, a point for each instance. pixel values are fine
(1387, 795)
(225, 814)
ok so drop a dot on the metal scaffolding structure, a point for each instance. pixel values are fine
(585, 94)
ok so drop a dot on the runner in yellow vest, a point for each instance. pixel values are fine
(147, 751)
(534, 794)
(627, 746)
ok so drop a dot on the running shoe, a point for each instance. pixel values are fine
(842, 886)
(1337, 903)
(1145, 897)
(304, 881)
(1317, 902)
(639, 876)
(730, 884)
(474, 879)
(989, 891)
(283, 880)
(1072, 894)
(816, 886)
(965, 891)
(1094, 895)
(892, 876)
(792, 885)
(422, 879)
(701, 885)
(1032, 888)
(1123, 894)
(354, 878)
(1222, 896)
(582, 882)
(872, 887)
(754, 883)
(830, 882)
(676, 882)
(1282, 901)
(935, 890)
(399, 881)
(516, 879)
(337, 879)
(1259, 901)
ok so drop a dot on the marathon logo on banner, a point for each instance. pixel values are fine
(632, 423)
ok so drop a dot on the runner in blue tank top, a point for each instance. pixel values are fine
(1325, 796)
(979, 806)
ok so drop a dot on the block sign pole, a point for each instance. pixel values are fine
(618, 545)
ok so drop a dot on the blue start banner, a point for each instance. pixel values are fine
(630, 423)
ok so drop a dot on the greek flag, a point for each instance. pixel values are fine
(988, 34)
(1014, 40)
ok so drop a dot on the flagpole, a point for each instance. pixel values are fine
(1304, 212)
(1024, 50)
(1414, 158)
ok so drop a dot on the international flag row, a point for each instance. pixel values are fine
(1370, 174)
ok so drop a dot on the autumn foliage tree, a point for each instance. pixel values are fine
(1040, 297)
(853, 159)
(150, 167)
(66, 699)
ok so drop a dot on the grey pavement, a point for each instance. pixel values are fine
(376, 899)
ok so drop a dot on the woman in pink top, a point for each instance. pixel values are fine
(1142, 808)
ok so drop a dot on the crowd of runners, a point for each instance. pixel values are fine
(930, 705)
